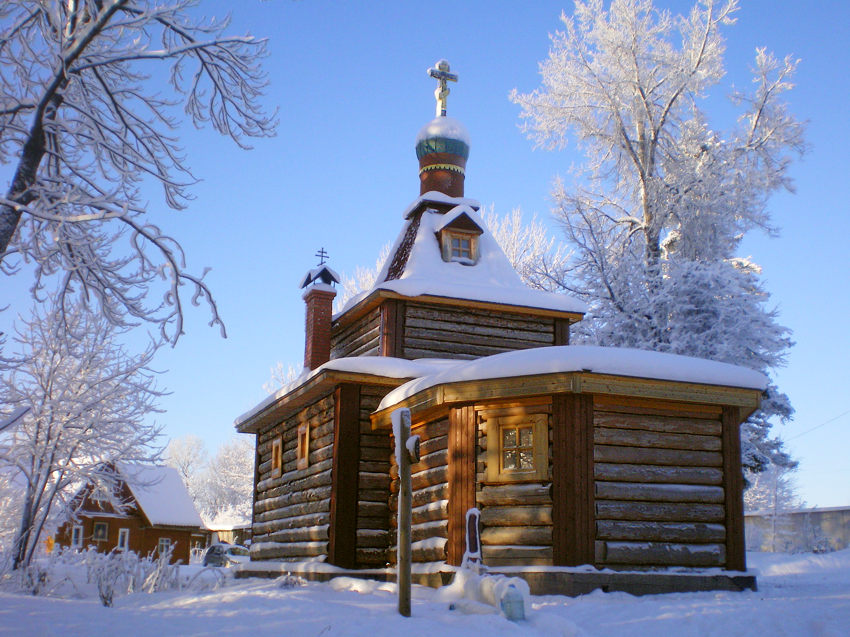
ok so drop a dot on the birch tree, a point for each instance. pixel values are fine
(663, 200)
(84, 125)
(82, 401)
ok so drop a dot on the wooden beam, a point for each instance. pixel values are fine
(342, 542)
(576, 382)
(462, 439)
(562, 331)
(392, 328)
(733, 485)
(573, 518)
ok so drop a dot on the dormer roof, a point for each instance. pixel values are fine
(461, 217)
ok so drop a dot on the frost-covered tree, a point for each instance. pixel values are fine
(189, 456)
(531, 249)
(83, 401)
(664, 200)
(85, 121)
(229, 482)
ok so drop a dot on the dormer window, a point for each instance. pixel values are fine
(460, 247)
(458, 235)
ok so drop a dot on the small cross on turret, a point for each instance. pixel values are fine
(440, 72)
(323, 256)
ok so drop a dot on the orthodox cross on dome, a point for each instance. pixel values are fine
(323, 256)
(440, 72)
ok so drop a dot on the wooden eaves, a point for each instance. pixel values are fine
(432, 400)
(374, 299)
(314, 388)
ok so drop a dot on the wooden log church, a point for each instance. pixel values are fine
(619, 459)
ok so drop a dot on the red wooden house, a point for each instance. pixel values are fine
(619, 459)
(148, 512)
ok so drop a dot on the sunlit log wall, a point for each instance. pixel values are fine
(292, 511)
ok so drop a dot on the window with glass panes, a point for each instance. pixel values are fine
(461, 248)
(518, 448)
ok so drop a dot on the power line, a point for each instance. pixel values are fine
(818, 426)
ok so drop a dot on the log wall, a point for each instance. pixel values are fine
(373, 511)
(429, 477)
(442, 331)
(359, 338)
(516, 518)
(292, 511)
(658, 486)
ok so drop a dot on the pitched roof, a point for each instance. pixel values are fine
(416, 268)
(161, 495)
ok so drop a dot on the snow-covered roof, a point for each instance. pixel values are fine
(385, 366)
(161, 494)
(228, 520)
(455, 213)
(492, 279)
(618, 361)
(436, 197)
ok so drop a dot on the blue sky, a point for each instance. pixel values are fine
(349, 81)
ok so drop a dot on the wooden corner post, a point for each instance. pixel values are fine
(342, 535)
(733, 487)
(462, 445)
(573, 504)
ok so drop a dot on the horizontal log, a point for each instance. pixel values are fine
(374, 481)
(317, 475)
(312, 519)
(368, 336)
(661, 512)
(650, 406)
(513, 494)
(427, 495)
(638, 455)
(438, 510)
(372, 509)
(375, 454)
(657, 474)
(660, 554)
(535, 535)
(475, 316)
(639, 438)
(491, 337)
(420, 554)
(303, 534)
(375, 466)
(696, 532)
(268, 503)
(371, 348)
(367, 556)
(470, 348)
(666, 424)
(436, 443)
(658, 492)
(374, 495)
(369, 538)
(415, 352)
(438, 528)
(516, 553)
(516, 515)
(294, 510)
(365, 323)
(380, 523)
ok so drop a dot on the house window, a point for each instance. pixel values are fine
(77, 537)
(277, 457)
(163, 545)
(460, 246)
(101, 530)
(123, 539)
(303, 450)
(518, 448)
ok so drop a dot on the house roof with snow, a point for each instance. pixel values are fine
(161, 494)
(415, 267)
(578, 368)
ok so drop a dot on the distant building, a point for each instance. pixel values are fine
(156, 514)
(230, 526)
(818, 530)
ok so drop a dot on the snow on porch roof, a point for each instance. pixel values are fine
(617, 361)
(161, 494)
(491, 280)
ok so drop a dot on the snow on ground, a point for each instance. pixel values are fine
(801, 594)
